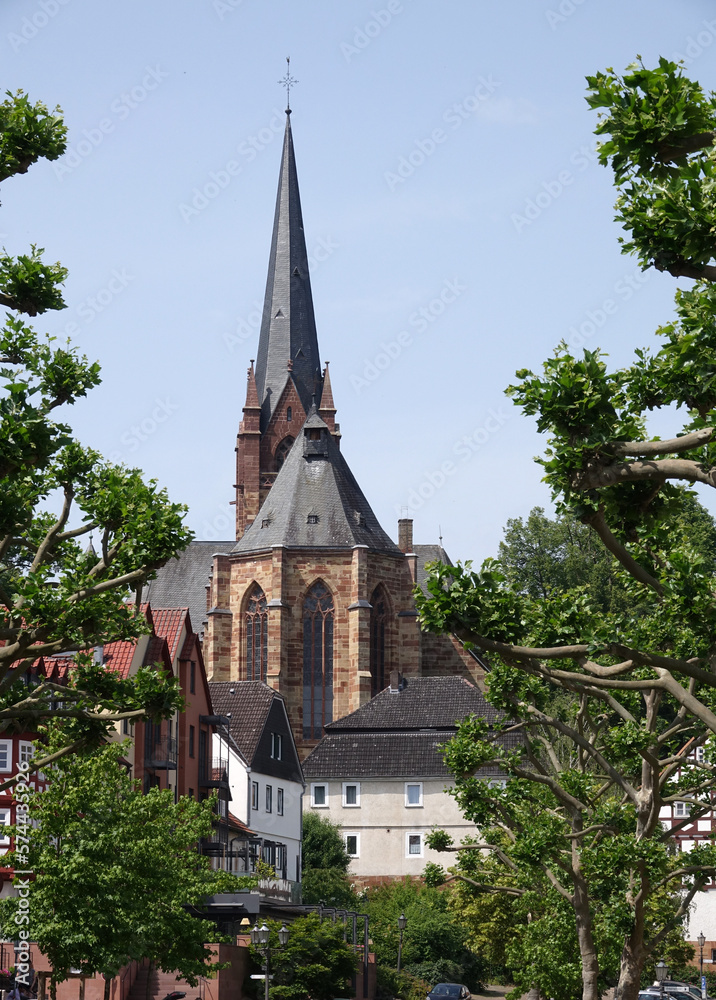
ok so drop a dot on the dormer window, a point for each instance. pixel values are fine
(312, 519)
(266, 522)
(289, 415)
(314, 434)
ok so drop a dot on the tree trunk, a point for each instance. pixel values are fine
(41, 985)
(107, 987)
(583, 918)
(148, 994)
(53, 988)
(630, 972)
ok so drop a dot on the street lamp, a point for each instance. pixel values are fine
(661, 974)
(702, 941)
(260, 937)
(401, 927)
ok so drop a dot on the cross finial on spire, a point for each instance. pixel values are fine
(288, 82)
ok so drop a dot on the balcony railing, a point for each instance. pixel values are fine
(213, 772)
(161, 754)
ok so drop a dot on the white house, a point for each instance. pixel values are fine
(265, 778)
(379, 773)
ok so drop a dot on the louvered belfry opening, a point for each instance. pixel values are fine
(317, 660)
(378, 619)
(256, 636)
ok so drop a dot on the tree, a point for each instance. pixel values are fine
(325, 865)
(315, 963)
(434, 941)
(57, 594)
(647, 669)
(114, 872)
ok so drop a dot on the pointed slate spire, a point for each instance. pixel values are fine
(288, 326)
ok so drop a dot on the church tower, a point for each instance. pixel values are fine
(314, 598)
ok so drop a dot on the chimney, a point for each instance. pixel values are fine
(396, 682)
(405, 534)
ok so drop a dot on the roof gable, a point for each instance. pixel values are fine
(315, 501)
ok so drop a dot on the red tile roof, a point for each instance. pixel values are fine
(169, 623)
(236, 823)
(118, 657)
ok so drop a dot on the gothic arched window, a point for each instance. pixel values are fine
(317, 660)
(378, 619)
(256, 635)
(282, 451)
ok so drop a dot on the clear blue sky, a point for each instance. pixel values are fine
(423, 131)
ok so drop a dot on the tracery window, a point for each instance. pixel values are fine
(256, 635)
(282, 451)
(317, 660)
(378, 618)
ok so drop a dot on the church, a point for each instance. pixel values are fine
(312, 597)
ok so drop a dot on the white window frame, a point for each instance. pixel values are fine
(269, 798)
(276, 746)
(699, 754)
(7, 744)
(319, 805)
(419, 803)
(5, 822)
(414, 854)
(25, 751)
(346, 786)
(681, 810)
(279, 801)
(255, 795)
(345, 843)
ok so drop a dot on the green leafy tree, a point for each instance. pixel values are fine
(434, 941)
(325, 862)
(642, 673)
(315, 963)
(114, 872)
(57, 594)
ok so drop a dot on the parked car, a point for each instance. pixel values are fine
(673, 993)
(674, 986)
(450, 991)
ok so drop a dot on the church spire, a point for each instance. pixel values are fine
(288, 326)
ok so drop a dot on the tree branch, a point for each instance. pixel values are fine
(598, 522)
(646, 449)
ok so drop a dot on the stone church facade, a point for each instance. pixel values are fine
(313, 597)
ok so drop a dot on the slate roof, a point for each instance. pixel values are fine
(426, 554)
(315, 480)
(399, 735)
(254, 710)
(181, 582)
(288, 326)
(382, 755)
(423, 703)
